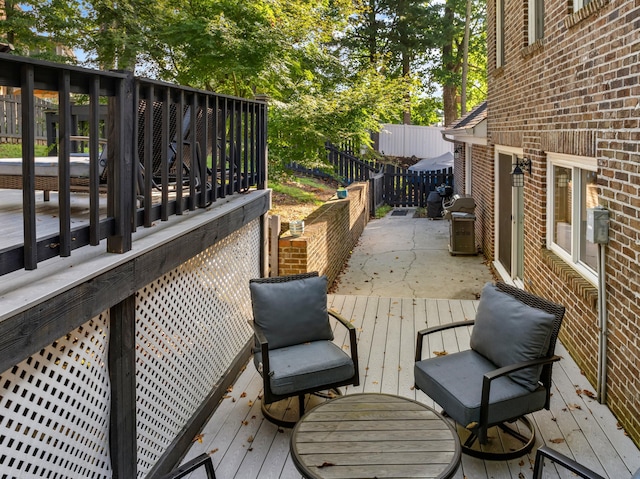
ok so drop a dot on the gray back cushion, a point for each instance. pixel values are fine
(508, 331)
(292, 312)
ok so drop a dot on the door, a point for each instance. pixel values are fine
(510, 220)
(505, 212)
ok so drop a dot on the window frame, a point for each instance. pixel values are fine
(577, 164)
(535, 27)
(580, 4)
(500, 60)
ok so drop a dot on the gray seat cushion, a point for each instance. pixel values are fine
(306, 366)
(292, 312)
(508, 331)
(454, 381)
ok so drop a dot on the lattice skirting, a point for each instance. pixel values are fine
(54, 409)
(190, 324)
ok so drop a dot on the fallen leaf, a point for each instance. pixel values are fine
(213, 451)
(574, 406)
(251, 404)
(245, 423)
(198, 438)
(326, 464)
(440, 353)
(250, 439)
(472, 425)
(243, 395)
(557, 440)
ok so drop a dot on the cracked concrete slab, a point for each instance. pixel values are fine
(407, 257)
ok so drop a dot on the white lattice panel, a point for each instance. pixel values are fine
(54, 409)
(190, 325)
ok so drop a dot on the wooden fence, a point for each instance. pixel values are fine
(10, 119)
(391, 185)
(411, 188)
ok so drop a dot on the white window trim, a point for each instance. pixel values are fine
(573, 259)
(499, 33)
(533, 20)
(580, 4)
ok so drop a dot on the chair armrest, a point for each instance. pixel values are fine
(262, 339)
(566, 462)
(264, 347)
(443, 327)
(203, 460)
(341, 319)
(352, 342)
(503, 371)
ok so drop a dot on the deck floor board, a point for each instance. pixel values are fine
(386, 329)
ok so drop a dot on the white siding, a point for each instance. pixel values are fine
(411, 140)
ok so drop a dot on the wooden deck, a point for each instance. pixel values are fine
(243, 445)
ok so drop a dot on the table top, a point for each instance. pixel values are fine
(374, 435)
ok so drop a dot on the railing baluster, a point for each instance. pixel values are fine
(223, 149)
(164, 153)
(28, 168)
(193, 138)
(64, 166)
(204, 151)
(215, 156)
(148, 155)
(179, 152)
(94, 159)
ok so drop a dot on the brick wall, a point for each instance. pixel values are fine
(576, 92)
(330, 233)
(482, 159)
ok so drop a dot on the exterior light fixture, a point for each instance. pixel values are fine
(517, 175)
(456, 152)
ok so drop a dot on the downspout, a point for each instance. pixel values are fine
(602, 322)
(598, 232)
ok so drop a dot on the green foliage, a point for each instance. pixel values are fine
(383, 211)
(13, 150)
(296, 194)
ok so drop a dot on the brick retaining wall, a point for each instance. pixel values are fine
(330, 233)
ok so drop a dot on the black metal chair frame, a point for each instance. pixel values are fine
(545, 452)
(269, 396)
(203, 460)
(479, 431)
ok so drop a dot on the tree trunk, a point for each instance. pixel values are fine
(406, 72)
(449, 97)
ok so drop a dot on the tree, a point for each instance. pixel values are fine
(47, 29)
(448, 68)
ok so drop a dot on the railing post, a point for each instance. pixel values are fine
(122, 375)
(121, 165)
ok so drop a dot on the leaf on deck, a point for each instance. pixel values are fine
(198, 438)
(558, 440)
(440, 353)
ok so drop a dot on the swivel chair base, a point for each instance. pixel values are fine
(287, 412)
(506, 441)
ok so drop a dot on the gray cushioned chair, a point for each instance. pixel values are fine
(578, 469)
(504, 376)
(294, 351)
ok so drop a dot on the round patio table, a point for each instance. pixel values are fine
(374, 436)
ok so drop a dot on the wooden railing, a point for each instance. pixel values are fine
(169, 149)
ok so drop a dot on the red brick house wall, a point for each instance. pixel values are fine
(575, 92)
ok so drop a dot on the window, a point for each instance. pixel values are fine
(572, 190)
(578, 4)
(536, 20)
(499, 33)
